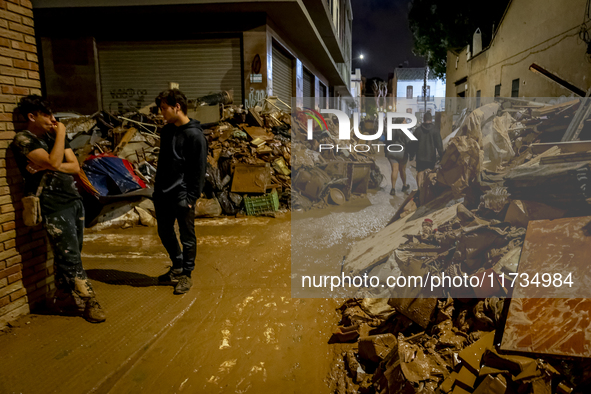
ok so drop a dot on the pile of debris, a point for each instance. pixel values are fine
(249, 154)
(329, 176)
(511, 186)
(383, 351)
(249, 161)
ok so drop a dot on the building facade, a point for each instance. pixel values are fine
(408, 95)
(538, 50)
(118, 55)
(357, 89)
(86, 56)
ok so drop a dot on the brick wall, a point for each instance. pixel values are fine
(26, 265)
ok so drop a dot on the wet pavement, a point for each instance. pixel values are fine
(237, 331)
(321, 238)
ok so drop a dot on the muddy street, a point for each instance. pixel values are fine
(238, 330)
(322, 237)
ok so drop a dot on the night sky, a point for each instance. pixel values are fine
(381, 34)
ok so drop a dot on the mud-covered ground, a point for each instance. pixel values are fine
(237, 331)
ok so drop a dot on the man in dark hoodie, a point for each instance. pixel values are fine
(427, 147)
(179, 181)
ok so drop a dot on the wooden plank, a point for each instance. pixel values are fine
(552, 320)
(582, 122)
(536, 160)
(518, 101)
(577, 120)
(257, 118)
(252, 178)
(554, 108)
(257, 132)
(126, 138)
(401, 207)
(368, 252)
(566, 158)
(565, 147)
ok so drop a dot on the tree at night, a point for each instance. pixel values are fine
(439, 26)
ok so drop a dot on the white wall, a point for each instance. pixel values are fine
(437, 91)
(437, 88)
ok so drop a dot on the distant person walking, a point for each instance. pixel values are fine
(398, 159)
(428, 148)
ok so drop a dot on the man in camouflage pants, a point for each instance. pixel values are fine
(44, 156)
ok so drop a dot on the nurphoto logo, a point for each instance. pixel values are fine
(345, 130)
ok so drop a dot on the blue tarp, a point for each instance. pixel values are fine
(109, 175)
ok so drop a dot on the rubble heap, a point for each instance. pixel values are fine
(249, 161)
(509, 166)
(329, 176)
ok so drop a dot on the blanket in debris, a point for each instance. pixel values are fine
(106, 174)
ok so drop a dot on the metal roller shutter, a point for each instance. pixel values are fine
(322, 97)
(282, 76)
(133, 73)
(322, 90)
(308, 84)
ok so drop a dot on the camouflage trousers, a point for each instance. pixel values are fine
(65, 230)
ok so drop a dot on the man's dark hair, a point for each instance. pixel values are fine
(32, 104)
(427, 117)
(172, 97)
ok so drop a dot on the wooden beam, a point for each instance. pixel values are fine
(567, 85)
(565, 147)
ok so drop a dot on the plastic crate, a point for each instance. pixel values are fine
(261, 205)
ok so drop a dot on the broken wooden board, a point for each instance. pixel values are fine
(554, 319)
(563, 183)
(419, 310)
(205, 114)
(578, 121)
(402, 206)
(566, 158)
(251, 178)
(125, 139)
(539, 173)
(554, 108)
(256, 117)
(367, 253)
(492, 385)
(536, 160)
(556, 326)
(358, 179)
(471, 355)
(565, 147)
(466, 379)
(521, 212)
(376, 347)
(226, 133)
(258, 132)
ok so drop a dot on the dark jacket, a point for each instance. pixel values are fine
(428, 145)
(182, 162)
